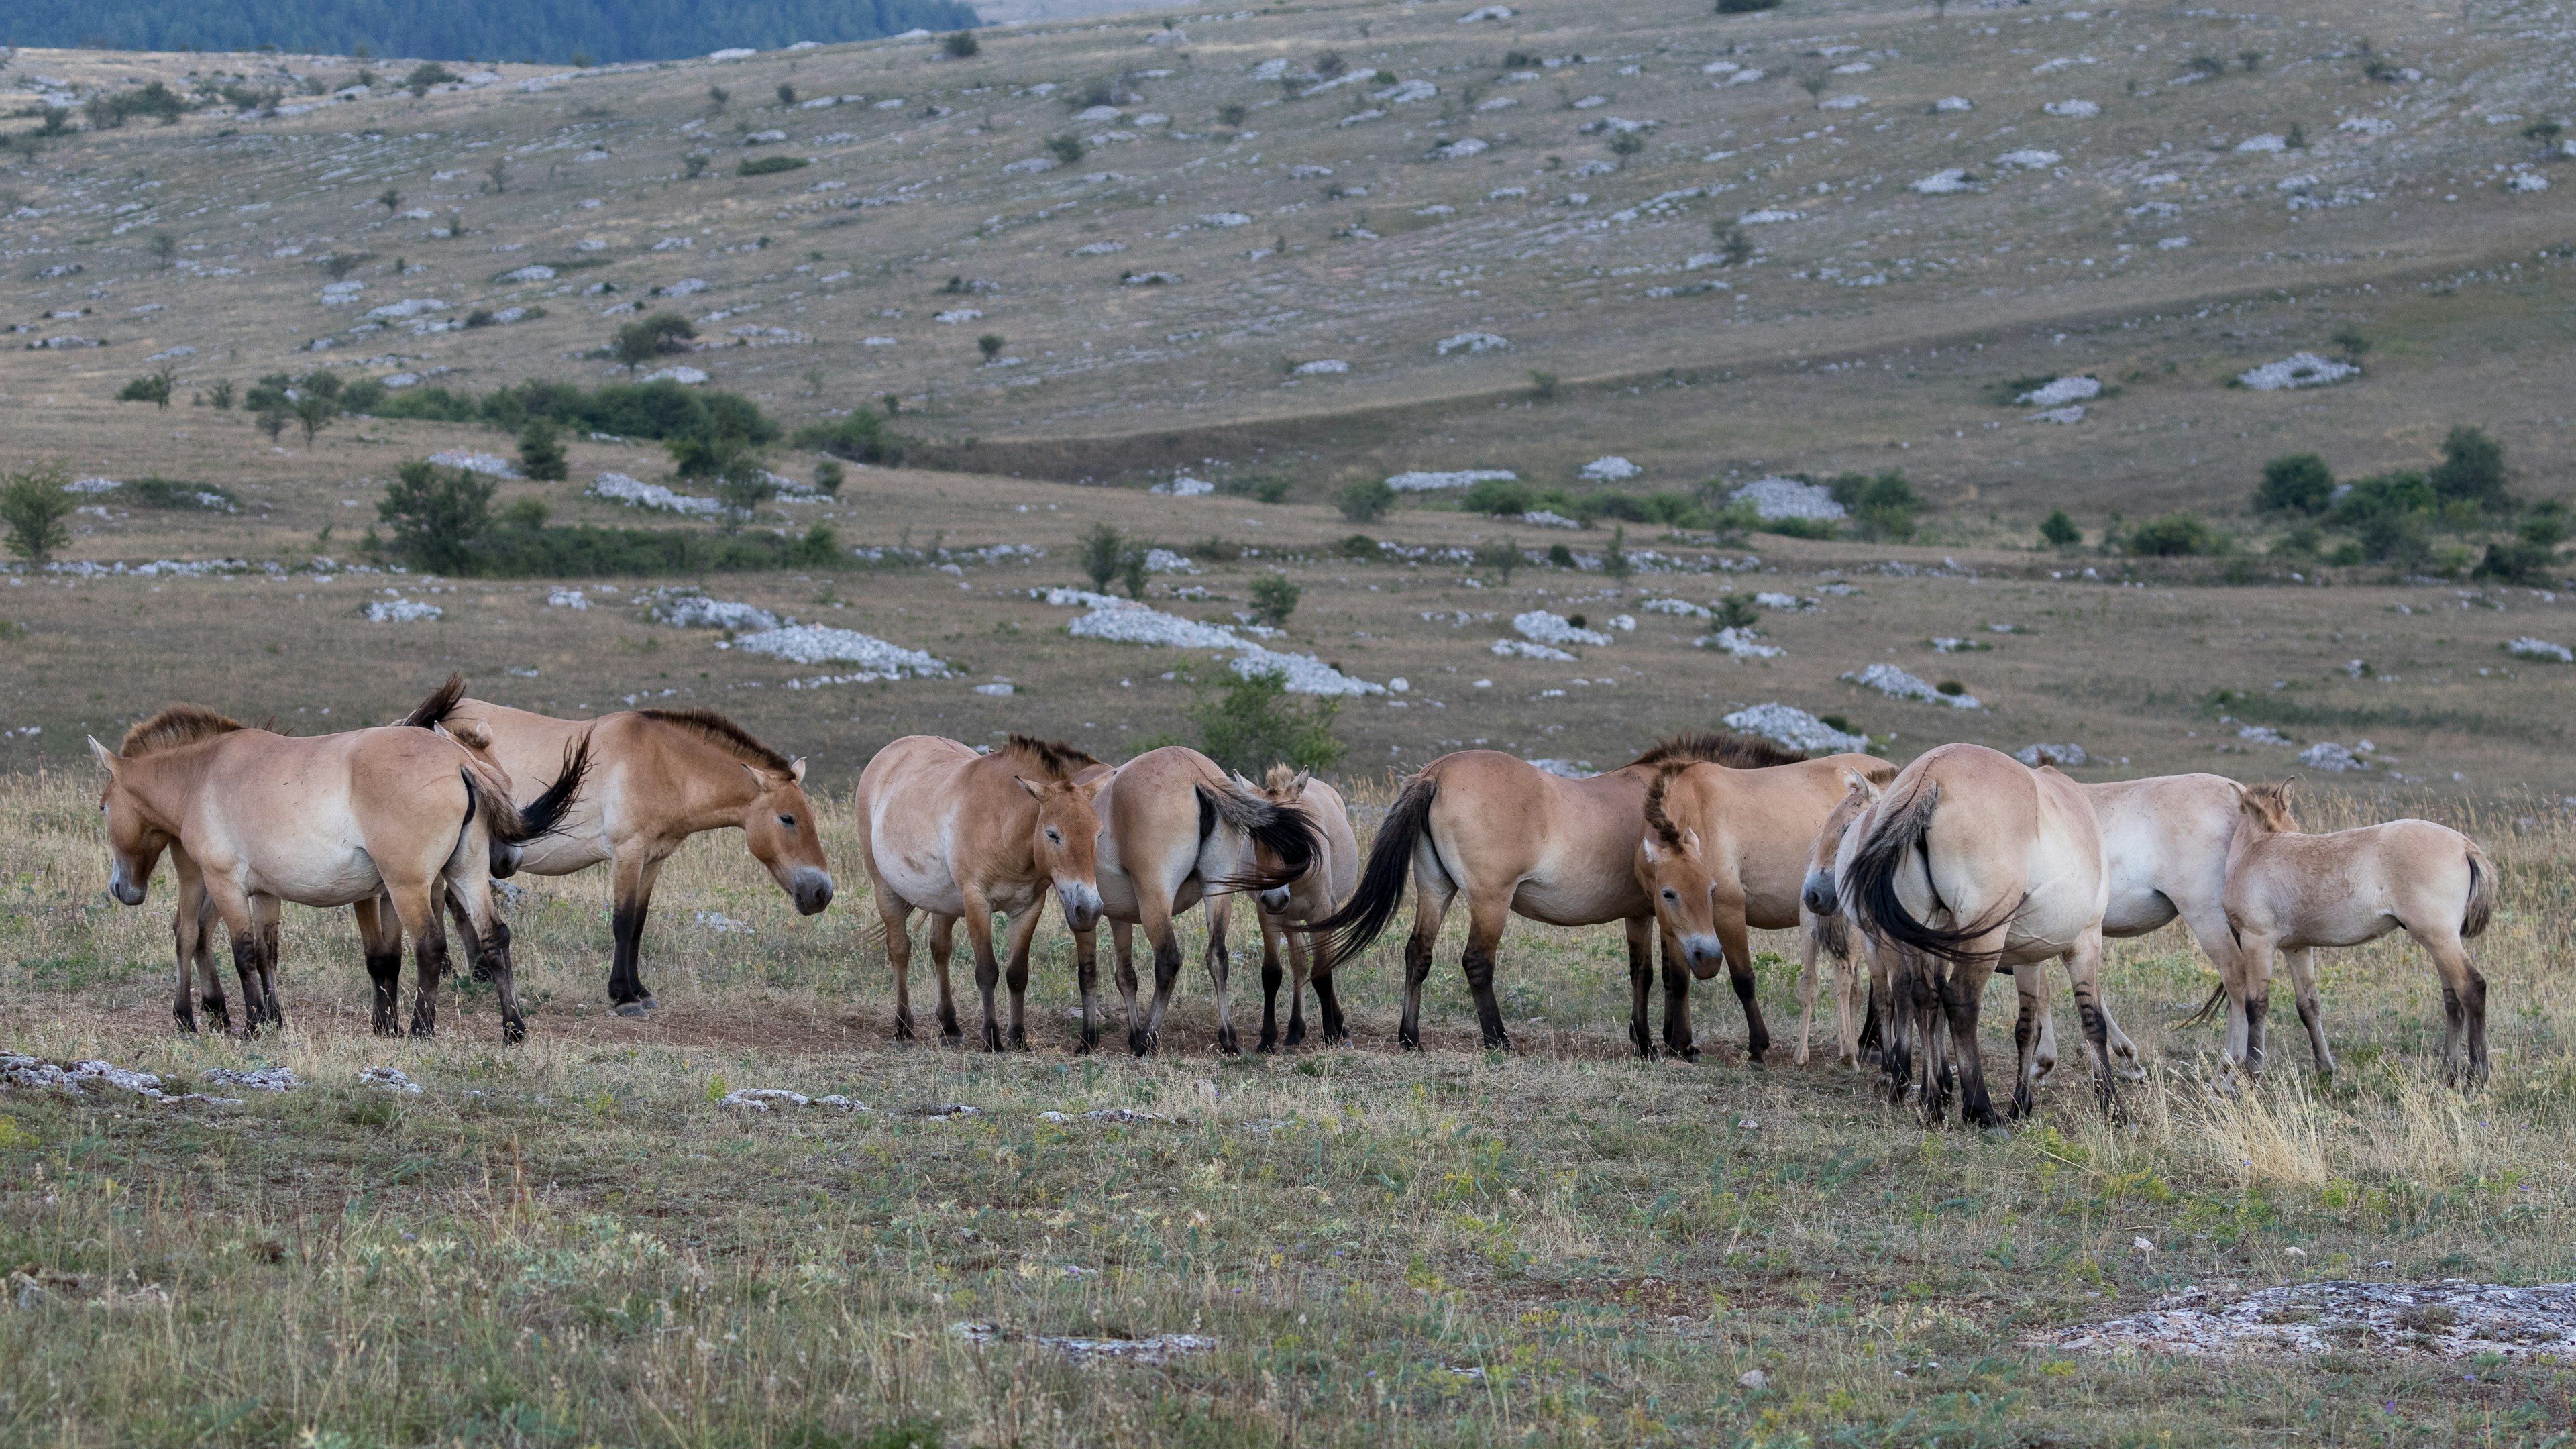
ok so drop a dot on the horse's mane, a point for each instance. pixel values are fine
(441, 703)
(1718, 747)
(179, 724)
(1656, 820)
(1053, 758)
(2273, 799)
(724, 734)
(1280, 777)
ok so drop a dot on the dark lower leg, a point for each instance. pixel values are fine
(475, 963)
(429, 959)
(1959, 1002)
(246, 969)
(505, 985)
(2025, 1054)
(625, 986)
(1272, 974)
(1641, 975)
(384, 968)
(1086, 975)
(1328, 1010)
(1146, 1037)
(1679, 1039)
(2257, 1007)
(1757, 1034)
(1417, 969)
(1479, 965)
(2097, 1031)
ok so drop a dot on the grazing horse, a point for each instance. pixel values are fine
(1174, 829)
(1732, 843)
(658, 776)
(960, 836)
(1289, 912)
(2292, 892)
(2012, 857)
(381, 819)
(1513, 838)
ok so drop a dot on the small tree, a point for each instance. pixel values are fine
(1543, 384)
(1132, 568)
(541, 450)
(2058, 530)
(154, 389)
(426, 74)
(640, 342)
(2178, 534)
(1232, 113)
(219, 394)
(2472, 468)
(743, 484)
(1101, 549)
(1814, 82)
(990, 344)
(787, 93)
(1250, 723)
(2296, 483)
(314, 412)
(34, 508)
(717, 97)
(694, 165)
(1067, 149)
(437, 514)
(165, 248)
(1733, 244)
(275, 418)
(1616, 562)
(498, 174)
(390, 199)
(959, 44)
(1274, 598)
(1499, 559)
(827, 478)
(1881, 507)
(1365, 502)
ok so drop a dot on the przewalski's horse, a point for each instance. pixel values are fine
(1174, 829)
(1289, 912)
(2292, 892)
(1514, 838)
(385, 820)
(658, 776)
(1724, 851)
(960, 836)
(2011, 859)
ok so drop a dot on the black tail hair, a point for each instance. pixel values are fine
(1872, 884)
(2208, 1009)
(1284, 829)
(545, 814)
(1348, 931)
(441, 703)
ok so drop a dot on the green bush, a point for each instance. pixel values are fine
(2058, 530)
(2178, 534)
(959, 44)
(1365, 502)
(640, 342)
(1274, 598)
(34, 507)
(154, 389)
(655, 411)
(2472, 468)
(2296, 483)
(1251, 722)
(860, 436)
(541, 450)
(1102, 550)
(153, 491)
(437, 514)
(1818, 528)
(2386, 494)
(1501, 497)
(770, 165)
(584, 551)
(1067, 149)
(1881, 507)
(426, 74)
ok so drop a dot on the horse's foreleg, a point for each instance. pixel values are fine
(483, 923)
(894, 916)
(988, 966)
(2084, 972)
(1432, 894)
(2252, 1002)
(187, 939)
(1731, 935)
(1641, 978)
(380, 936)
(1303, 950)
(1273, 972)
(632, 894)
(1485, 921)
(1220, 964)
(1808, 951)
(1963, 990)
(2303, 983)
(1157, 924)
(1679, 1040)
(264, 911)
(2030, 984)
(943, 944)
(1023, 929)
(470, 939)
(1122, 939)
(1086, 975)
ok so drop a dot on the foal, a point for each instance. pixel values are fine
(2288, 892)
(1289, 912)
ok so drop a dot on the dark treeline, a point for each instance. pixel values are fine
(543, 31)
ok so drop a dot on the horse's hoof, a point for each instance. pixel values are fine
(1086, 1046)
(903, 1031)
(649, 1002)
(481, 973)
(514, 1033)
(632, 1008)
(1269, 1046)
(1227, 1044)
(1141, 1043)
(1296, 1034)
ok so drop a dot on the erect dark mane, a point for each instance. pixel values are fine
(724, 734)
(1718, 747)
(1279, 777)
(1053, 758)
(440, 704)
(179, 724)
(1656, 820)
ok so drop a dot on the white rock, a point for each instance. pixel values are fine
(1611, 469)
(1768, 216)
(2030, 157)
(1741, 642)
(402, 611)
(2539, 651)
(689, 375)
(2265, 143)
(2034, 755)
(1031, 166)
(1420, 482)
(1777, 497)
(1470, 342)
(2062, 391)
(821, 644)
(1321, 366)
(1943, 183)
(2072, 108)
(1522, 649)
(635, 493)
(472, 462)
(1895, 683)
(1799, 730)
(2299, 369)
(1954, 103)
(1547, 628)
(1486, 12)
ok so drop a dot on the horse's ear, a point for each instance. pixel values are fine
(1244, 783)
(796, 769)
(1092, 784)
(1690, 841)
(1036, 790)
(759, 781)
(107, 759)
(1647, 845)
(1297, 787)
(1855, 780)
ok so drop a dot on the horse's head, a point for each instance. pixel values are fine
(1066, 843)
(1821, 894)
(2265, 809)
(1283, 785)
(135, 838)
(1674, 876)
(779, 827)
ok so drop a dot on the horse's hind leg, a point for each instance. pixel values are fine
(1220, 964)
(1303, 949)
(1808, 951)
(1485, 921)
(472, 940)
(1122, 940)
(2031, 986)
(1273, 973)
(417, 905)
(1431, 897)
(2303, 983)
(943, 944)
(1159, 934)
(380, 936)
(483, 922)
(2084, 972)
(2464, 1012)
(264, 913)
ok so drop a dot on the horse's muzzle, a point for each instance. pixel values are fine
(1275, 899)
(1705, 956)
(1818, 894)
(129, 892)
(1081, 905)
(811, 889)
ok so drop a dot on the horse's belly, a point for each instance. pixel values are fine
(2136, 912)
(927, 885)
(1563, 905)
(562, 855)
(336, 879)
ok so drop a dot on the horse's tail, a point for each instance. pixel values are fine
(1876, 865)
(433, 711)
(517, 824)
(2473, 919)
(1832, 934)
(1362, 918)
(1284, 829)
(2208, 1009)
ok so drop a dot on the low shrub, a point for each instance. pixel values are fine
(2296, 483)
(2179, 534)
(860, 436)
(1250, 724)
(771, 165)
(1365, 502)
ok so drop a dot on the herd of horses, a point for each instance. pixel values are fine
(1962, 864)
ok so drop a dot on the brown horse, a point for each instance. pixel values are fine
(380, 819)
(2012, 856)
(658, 776)
(961, 836)
(2288, 892)
(1513, 838)
(1724, 851)
(1289, 912)
(1174, 829)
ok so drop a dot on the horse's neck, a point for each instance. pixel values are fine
(711, 786)
(163, 785)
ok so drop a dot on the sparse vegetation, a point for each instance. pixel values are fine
(1881, 506)
(426, 74)
(2058, 531)
(541, 450)
(153, 388)
(1102, 550)
(650, 338)
(1746, 7)
(33, 507)
(1248, 723)
(770, 165)
(1274, 598)
(860, 436)
(1366, 501)
(959, 44)
(1066, 148)
(2179, 534)
(990, 345)
(2296, 483)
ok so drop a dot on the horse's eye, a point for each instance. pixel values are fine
(1053, 838)
(787, 820)
(1670, 895)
